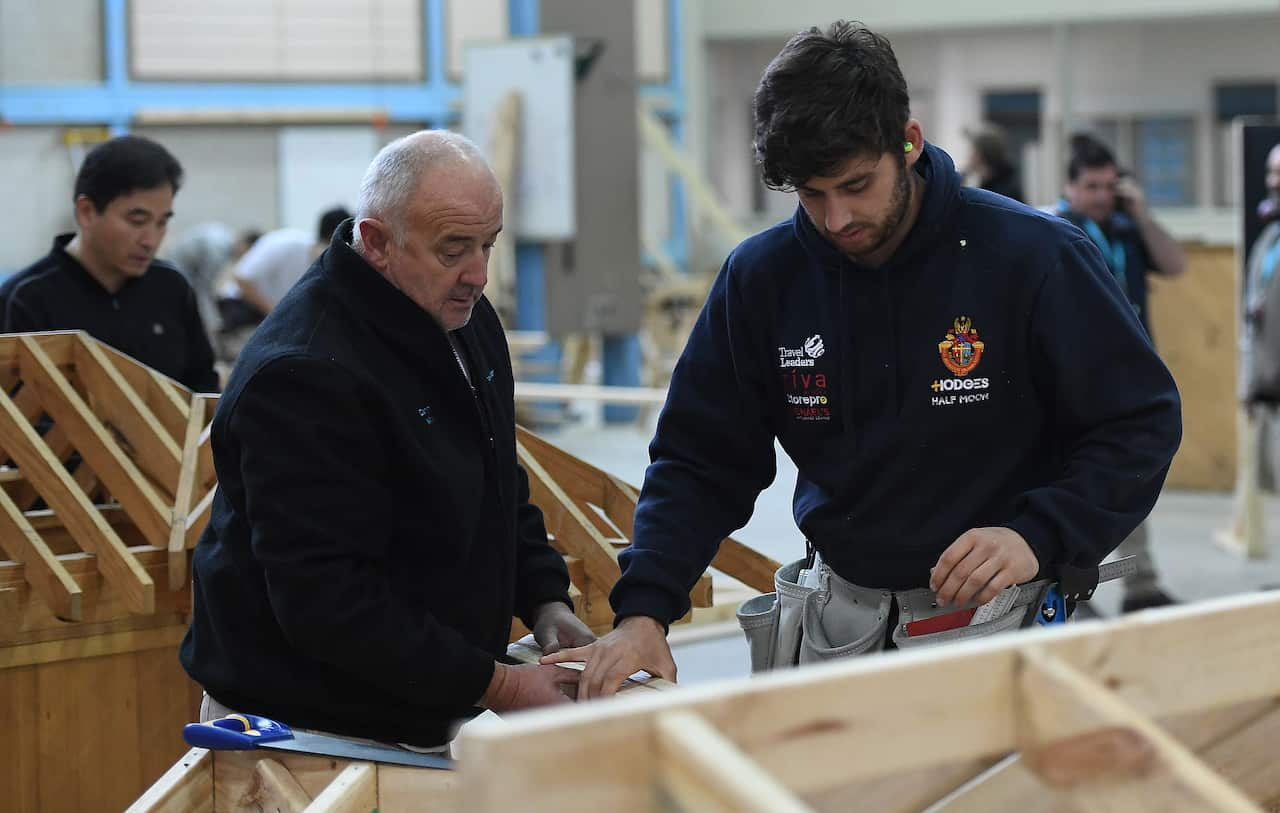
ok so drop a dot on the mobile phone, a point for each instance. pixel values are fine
(1122, 201)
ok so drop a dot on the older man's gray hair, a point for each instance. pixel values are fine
(396, 172)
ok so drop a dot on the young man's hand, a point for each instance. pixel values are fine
(637, 643)
(980, 564)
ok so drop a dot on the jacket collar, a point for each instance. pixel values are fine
(76, 270)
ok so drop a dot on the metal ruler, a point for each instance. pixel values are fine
(1007, 599)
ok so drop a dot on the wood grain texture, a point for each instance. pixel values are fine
(187, 787)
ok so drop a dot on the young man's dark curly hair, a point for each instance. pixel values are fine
(828, 96)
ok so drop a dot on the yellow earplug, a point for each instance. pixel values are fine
(907, 146)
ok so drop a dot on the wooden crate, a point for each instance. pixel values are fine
(1193, 319)
(1049, 720)
(94, 587)
(1061, 719)
(251, 781)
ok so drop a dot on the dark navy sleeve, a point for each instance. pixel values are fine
(1117, 416)
(711, 456)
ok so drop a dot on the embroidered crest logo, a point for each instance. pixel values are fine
(962, 349)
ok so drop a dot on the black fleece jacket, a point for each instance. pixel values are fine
(371, 537)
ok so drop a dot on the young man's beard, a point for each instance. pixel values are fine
(899, 205)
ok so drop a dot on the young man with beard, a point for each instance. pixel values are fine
(969, 399)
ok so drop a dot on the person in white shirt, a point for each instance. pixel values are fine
(265, 274)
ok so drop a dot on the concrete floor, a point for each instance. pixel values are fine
(1190, 565)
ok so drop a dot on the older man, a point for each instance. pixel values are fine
(372, 535)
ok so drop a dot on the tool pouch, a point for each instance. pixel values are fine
(842, 619)
(773, 621)
(921, 604)
(759, 620)
(802, 624)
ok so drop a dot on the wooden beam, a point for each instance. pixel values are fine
(911, 791)
(206, 474)
(733, 558)
(579, 479)
(355, 790)
(619, 505)
(825, 727)
(154, 449)
(22, 443)
(1012, 786)
(114, 468)
(595, 513)
(58, 344)
(702, 594)
(10, 608)
(1248, 759)
(104, 608)
(168, 407)
(575, 534)
(402, 789)
(199, 517)
(83, 567)
(275, 789)
(187, 787)
(46, 575)
(577, 573)
(60, 539)
(183, 496)
(1102, 754)
(1237, 663)
(59, 446)
(72, 649)
(747, 565)
(704, 771)
(88, 481)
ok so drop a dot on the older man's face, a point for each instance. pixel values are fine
(453, 220)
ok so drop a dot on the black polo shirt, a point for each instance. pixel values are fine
(153, 318)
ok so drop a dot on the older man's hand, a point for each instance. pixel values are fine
(556, 627)
(527, 686)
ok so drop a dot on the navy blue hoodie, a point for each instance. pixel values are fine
(990, 374)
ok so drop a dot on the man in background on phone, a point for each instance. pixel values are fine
(1262, 335)
(1108, 205)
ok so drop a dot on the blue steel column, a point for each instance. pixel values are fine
(115, 48)
(622, 357)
